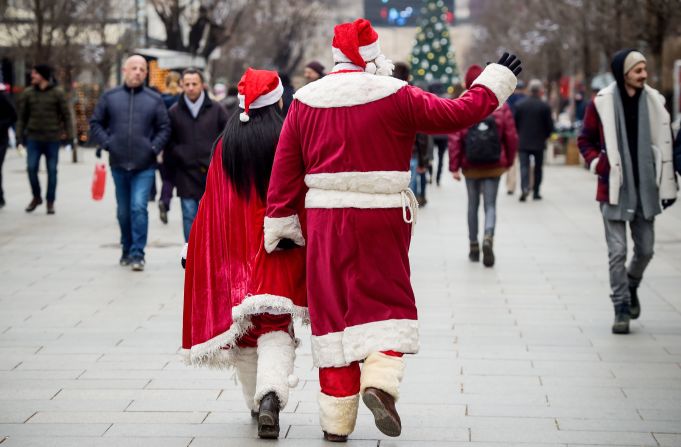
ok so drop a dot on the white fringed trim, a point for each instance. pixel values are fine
(382, 182)
(276, 354)
(219, 351)
(355, 343)
(499, 79)
(347, 89)
(278, 228)
(384, 372)
(338, 415)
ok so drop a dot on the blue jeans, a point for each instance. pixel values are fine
(189, 209)
(132, 196)
(34, 150)
(417, 184)
(488, 187)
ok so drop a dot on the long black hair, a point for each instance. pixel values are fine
(248, 149)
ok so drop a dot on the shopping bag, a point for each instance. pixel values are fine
(99, 181)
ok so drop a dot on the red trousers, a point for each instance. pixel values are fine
(264, 324)
(343, 381)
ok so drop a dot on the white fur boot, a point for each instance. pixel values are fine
(276, 353)
(384, 372)
(246, 371)
(337, 415)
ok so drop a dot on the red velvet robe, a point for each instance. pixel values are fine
(346, 147)
(229, 276)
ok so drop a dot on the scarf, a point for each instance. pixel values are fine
(195, 107)
(645, 197)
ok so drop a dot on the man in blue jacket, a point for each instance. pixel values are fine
(131, 123)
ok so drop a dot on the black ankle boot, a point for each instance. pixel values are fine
(622, 316)
(268, 417)
(474, 252)
(634, 304)
(488, 251)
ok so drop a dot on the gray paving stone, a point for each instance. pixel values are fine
(95, 442)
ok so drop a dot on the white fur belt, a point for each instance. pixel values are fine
(365, 190)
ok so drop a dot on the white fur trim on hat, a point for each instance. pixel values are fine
(278, 228)
(338, 415)
(368, 53)
(384, 372)
(632, 60)
(347, 90)
(499, 79)
(264, 100)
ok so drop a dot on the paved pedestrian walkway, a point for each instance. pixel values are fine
(517, 355)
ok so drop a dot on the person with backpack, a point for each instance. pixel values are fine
(483, 152)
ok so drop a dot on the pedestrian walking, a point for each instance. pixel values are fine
(196, 122)
(170, 97)
(43, 118)
(131, 123)
(535, 125)
(512, 173)
(8, 116)
(231, 102)
(677, 152)
(483, 153)
(238, 300)
(313, 71)
(626, 142)
(344, 151)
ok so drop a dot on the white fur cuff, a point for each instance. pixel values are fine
(278, 228)
(337, 415)
(246, 363)
(499, 79)
(592, 165)
(276, 354)
(384, 372)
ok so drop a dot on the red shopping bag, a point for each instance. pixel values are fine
(99, 181)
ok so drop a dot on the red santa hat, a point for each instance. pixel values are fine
(357, 43)
(258, 88)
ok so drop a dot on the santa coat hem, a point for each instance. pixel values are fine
(220, 351)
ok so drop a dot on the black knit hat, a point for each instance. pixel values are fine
(44, 70)
(316, 66)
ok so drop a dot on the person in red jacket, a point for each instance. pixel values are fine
(344, 152)
(483, 152)
(239, 300)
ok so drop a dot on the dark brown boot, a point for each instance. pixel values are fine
(50, 207)
(382, 405)
(34, 204)
(335, 438)
(268, 417)
(474, 252)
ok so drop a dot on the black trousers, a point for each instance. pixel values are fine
(3, 151)
(525, 169)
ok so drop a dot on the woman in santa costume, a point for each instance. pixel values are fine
(345, 150)
(238, 300)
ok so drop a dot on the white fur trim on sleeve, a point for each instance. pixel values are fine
(593, 164)
(278, 228)
(499, 79)
(337, 415)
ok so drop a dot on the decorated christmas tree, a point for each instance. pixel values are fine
(432, 59)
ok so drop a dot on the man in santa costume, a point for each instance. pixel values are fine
(345, 150)
(238, 300)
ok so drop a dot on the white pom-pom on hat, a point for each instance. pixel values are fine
(292, 381)
(244, 118)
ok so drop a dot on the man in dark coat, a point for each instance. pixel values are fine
(196, 123)
(677, 152)
(131, 123)
(44, 116)
(535, 124)
(8, 117)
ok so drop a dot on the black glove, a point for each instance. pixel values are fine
(511, 62)
(286, 244)
(666, 203)
(98, 152)
(184, 263)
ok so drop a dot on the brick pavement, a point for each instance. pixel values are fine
(517, 355)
